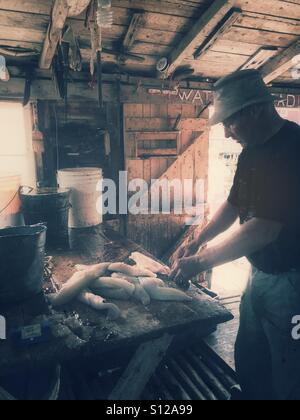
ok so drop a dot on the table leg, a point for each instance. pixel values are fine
(140, 369)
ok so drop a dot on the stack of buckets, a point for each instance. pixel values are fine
(72, 205)
(49, 206)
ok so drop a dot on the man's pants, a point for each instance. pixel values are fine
(267, 355)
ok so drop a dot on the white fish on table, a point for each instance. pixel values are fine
(132, 271)
(150, 264)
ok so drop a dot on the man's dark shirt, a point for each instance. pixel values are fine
(267, 186)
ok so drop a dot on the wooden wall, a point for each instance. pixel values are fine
(157, 233)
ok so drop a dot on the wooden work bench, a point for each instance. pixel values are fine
(82, 335)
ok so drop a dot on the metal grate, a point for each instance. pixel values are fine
(194, 374)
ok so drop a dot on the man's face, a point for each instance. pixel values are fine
(239, 127)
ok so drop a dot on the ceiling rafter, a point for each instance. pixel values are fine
(281, 63)
(199, 32)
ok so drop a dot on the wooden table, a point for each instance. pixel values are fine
(82, 334)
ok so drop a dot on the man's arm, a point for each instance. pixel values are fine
(248, 239)
(225, 217)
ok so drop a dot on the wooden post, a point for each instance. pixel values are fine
(140, 370)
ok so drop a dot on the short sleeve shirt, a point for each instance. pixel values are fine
(267, 186)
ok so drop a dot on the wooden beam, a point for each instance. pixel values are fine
(224, 26)
(282, 63)
(58, 20)
(261, 57)
(76, 7)
(60, 12)
(200, 31)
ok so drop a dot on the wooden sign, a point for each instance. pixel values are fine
(191, 96)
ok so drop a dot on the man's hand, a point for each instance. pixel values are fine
(185, 270)
(186, 251)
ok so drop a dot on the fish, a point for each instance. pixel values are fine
(166, 294)
(128, 270)
(113, 283)
(98, 303)
(80, 281)
(140, 294)
(150, 264)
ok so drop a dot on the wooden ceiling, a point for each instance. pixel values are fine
(167, 26)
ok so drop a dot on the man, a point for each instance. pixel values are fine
(266, 197)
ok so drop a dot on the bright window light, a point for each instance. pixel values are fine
(16, 154)
(12, 129)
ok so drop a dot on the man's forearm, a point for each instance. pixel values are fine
(250, 238)
(223, 220)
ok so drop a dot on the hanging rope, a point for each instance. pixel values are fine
(10, 202)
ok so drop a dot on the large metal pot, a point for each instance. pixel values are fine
(22, 251)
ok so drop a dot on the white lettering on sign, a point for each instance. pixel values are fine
(197, 97)
(287, 101)
(185, 96)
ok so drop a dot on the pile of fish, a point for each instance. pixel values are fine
(94, 284)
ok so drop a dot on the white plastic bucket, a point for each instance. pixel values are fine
(10, 204)
(83, 184)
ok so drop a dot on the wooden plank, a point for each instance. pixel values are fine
(133, 110)
(203, 27)
(262, 38)
(193, 124)
(156, 36)
(279, 8)
(147, 124)
(113, 57)
(260, 58)
(175, 8)
(219, 58)
(147, 171)
(147, 110)
(32, 36)
(229, 20)
(156, 136)
(135, 168)
(58, 21)
(155, 168)
(157, 152)
(281, 63)
(130, 145)
(214, 70)
(270, 23)
(235, 46)
(29, 6)
(122, 16)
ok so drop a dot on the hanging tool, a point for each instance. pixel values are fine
(125, 55)
(63, 56)
(37, 135)
(17, 51)
(29, 76)
(99, 78)
(75, 59)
